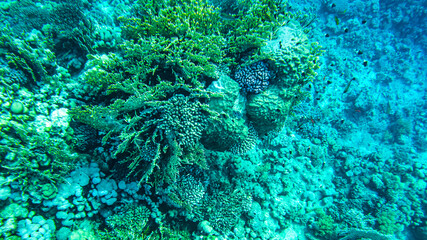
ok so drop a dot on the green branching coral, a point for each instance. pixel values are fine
(172, 18)
(254, 24)
(20, 54)
(175, 126)
(35, 160)
(206, 200)
(183, 35)
(163, 134)
(193, 38)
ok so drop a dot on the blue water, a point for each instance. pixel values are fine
(108, 134)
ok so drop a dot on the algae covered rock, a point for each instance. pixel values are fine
(230, 127)
(227, 97)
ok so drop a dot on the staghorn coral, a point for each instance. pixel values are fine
(254, 23)
(183, 35)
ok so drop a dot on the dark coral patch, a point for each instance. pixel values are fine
(254, 78)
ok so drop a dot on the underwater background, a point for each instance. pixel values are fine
(213, 119)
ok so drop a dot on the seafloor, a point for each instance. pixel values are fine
(222, 119)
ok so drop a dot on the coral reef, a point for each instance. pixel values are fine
(133, 117)
(182, 120)
(268, 110)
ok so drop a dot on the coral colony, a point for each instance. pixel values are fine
(254, 78)
(213, 119)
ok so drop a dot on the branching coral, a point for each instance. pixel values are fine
(20, 54)
(182, 120)
(129, 222)
(162, 134)
(189, 189)
(36, 161)
(184, 36)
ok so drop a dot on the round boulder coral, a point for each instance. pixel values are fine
(267, 111)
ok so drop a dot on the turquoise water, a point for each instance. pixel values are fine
(220, 119)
